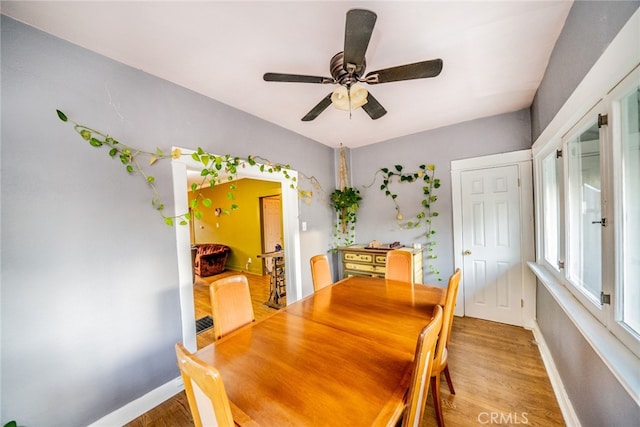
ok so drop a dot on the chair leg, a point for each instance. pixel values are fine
(448, 377)
(437, 404)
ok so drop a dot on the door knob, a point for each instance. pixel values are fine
(467, 252)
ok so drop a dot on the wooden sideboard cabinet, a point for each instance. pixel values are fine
(357, 260)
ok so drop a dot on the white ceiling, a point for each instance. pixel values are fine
(494, 53)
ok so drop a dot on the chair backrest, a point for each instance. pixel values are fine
(230, 304)
(320, 272)
(398, 266)
(423, 363)
(447, 318)
(205, 391)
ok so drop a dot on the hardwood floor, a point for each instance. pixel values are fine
(496, 369)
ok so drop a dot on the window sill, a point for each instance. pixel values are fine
(615, 355)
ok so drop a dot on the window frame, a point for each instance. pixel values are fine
(609, 315)
(627, 335)
(590, 301)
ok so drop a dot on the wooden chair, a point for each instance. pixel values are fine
(230, 304)
(423, 363)
(320, 272)
(205, 391)
(440, 364)
(398, 266)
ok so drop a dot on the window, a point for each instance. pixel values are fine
(589, 226)
(551, 213)
(584, 216)
(629, 195)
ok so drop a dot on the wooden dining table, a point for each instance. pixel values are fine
(341, 356)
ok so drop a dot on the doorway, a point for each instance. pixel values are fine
(271, 223)
(492, 200)
(291, 237)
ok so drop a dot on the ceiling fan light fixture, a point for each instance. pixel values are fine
(340, 97)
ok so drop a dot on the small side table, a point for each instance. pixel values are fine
(274, 262)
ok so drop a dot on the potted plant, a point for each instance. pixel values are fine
(346, 203)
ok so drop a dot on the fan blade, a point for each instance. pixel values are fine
(419, 70)
(360, 23)
(315, 112)
(373, 108)
(296, 78)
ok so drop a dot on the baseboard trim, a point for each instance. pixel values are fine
(134, 409)
(569, 414)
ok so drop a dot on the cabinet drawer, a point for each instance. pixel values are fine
(360, 267)
(358, 257)
(381, 259)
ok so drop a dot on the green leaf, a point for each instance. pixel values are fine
(150, 179)
(207, 203)
(113, 152)
(198, 215)
(195, 157)
(230, 195)
(194, 186)
(183, 222)
(234, 207)
(85, 134)
(62, 117)
(95, 142)
(193, 203)
(398, 168)
(168, 221)
(129, 168)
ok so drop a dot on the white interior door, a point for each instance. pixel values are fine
(491, 233)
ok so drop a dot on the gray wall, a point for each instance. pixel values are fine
(596, 395)
(90, 308)
(376, 219)
(588, 30)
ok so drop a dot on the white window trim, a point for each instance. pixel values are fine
(618, 60)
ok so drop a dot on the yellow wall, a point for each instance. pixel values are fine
(240, 230)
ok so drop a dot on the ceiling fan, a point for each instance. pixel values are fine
(347, 69)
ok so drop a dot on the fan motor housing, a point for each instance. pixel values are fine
(339, 72)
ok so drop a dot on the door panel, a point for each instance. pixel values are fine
(271, 223)
(492, 267)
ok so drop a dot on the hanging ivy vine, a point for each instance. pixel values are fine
(425, 174)
(214, 169)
